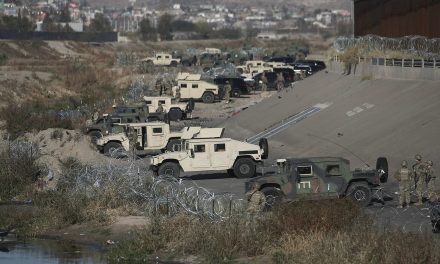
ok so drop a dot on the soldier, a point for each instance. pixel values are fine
(263, 82)
(430, 180)
(227, 92)
(256, 200)
(419, 170)
(178, 95)
(280, 81)
(159, 108)
(403, 176)
(158, 86)
(95, 116)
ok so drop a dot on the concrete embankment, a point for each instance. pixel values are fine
(357, 119)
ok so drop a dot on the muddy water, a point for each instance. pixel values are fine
(48, 252)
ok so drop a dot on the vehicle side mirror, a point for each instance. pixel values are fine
(191, 151)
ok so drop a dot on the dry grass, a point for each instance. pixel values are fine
(303, 232)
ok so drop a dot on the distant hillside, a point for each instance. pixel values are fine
(331, 4)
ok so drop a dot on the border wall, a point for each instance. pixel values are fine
(383, 68)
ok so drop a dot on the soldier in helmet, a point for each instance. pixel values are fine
(159, 86)
(419, 170)
(178, 95)
(159, 108)
(280, 81)
(403, 176)
(430, 180)
(264, 82)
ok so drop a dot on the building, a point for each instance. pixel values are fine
(397, 18)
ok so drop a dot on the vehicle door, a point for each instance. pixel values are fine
(155, 138)
(196, 90)
(308, 184)
(332, 181)
(167, 60)
(200, 159)
(159, 60)
(185, 90)
(220, 155)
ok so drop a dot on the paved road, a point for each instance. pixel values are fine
(333, 115)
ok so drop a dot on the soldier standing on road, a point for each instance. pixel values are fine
(263, 82)
(403, 176)
(159, 108)
(280, 81)
(419, 170)
(430, 180)
(227, 92)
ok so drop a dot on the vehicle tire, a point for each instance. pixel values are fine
(205, 69)
(231, 173)
(236, 93)
(244, 168)
(273, 196)
(382, 164)
(171, 143)
(111, 148)
(265, 147)
(94, 135)
(170, 169)
(173, 64)
(360, 193)
(208, 98)
(175, 114)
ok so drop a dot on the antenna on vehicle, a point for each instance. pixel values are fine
(341, 146)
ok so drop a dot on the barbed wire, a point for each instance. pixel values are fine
(422, 46)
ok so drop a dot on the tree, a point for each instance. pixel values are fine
(182, 26)
(164, 27)
(146, 30)
(100, 24)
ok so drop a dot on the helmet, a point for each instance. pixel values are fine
(418, 157)
(404, 164)
(430, 163)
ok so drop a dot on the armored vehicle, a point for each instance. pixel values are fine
(238, 85)
(122, 115)
(161, 59)
(320, 178)
(176, 111)
(211, 152)
(148, 138)
(192, 87)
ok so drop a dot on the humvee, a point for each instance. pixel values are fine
(121, 115)
(149, 138)
(192, 87)
(161, 59)
(320, 178)
(211, 153)
(176, 111)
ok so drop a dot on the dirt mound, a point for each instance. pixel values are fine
(56, 145)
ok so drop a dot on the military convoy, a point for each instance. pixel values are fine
(321, 178)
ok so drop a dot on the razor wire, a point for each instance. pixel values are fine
(419, 45)
(136, 185)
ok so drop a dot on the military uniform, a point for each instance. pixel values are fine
(159, 86)
(403, 176)
(263, 83)
(419, 169)
(227, 92)
(280, 81)
(256, 201)
(159, 108)
(430, 181)
(178, 95)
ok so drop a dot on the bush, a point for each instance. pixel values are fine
(18, 171)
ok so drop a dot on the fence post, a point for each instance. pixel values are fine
(393, 62)
(412, 63)
(435, 64)
(423, 63)
(230, 207)
(403, 62)
(213, 205)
